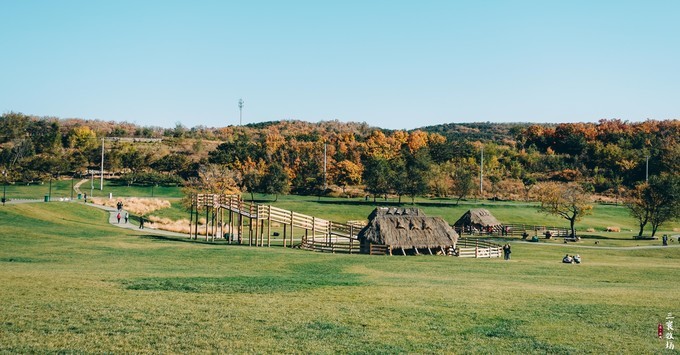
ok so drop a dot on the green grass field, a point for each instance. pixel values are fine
(72, 283)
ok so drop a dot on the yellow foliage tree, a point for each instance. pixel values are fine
(568, 201)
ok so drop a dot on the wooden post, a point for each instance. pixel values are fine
(191, 216)
(196, 229)
(313, 229)
(250, 230)
(269, 224)
(231, 223)
(240, 225)
(285, 228)
(351, 238)
(291, 229)
(261, 232)
(207, 221)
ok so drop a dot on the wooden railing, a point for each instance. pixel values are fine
(326, 236)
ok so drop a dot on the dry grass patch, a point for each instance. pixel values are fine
(139, 206)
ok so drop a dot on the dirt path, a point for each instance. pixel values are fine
(607, 248)
(77, 186)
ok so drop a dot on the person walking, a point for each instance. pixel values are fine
(506, 251)
(126, 217)
(141, 222)
(118, 217)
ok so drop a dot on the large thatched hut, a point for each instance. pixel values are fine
(405, 231)
(478, 220)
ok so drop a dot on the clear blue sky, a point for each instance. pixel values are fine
(393, 64)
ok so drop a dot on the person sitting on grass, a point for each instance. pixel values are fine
(567, 259)
(577, 259)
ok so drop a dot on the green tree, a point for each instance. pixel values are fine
(463, 182)
(640, 205)
(398, 177)
(275, 181)
(377, 176)
(171, 163)
(416, 177)
(656, 202)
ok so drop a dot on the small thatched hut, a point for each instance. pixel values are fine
(478, 220)
(405, 231)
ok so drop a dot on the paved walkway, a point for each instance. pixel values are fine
(114, 221)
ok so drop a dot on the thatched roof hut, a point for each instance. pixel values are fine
(478, 218)
(407, 229)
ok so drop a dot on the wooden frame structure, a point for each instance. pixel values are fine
(226, 216)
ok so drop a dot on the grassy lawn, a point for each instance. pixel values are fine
(62, 189)
(72, 283)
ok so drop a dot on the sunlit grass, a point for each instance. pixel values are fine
(72, 283)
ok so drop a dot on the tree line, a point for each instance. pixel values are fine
(613, 159)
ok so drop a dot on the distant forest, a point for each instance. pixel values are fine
(606, 158)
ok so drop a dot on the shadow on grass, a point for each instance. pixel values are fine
(308, 276)
(165, 238)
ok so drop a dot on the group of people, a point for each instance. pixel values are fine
(120, 210)
(576, 259)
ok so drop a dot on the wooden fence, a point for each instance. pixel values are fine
(514, 229)
(475, 248)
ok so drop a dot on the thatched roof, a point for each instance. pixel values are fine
(407, 228)
(477, 217)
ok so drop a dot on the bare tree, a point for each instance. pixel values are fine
(568, 201)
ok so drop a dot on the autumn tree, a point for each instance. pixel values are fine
(441, 178)
(568, 201)
(252, 177)
(346, 173)
(218, 179)
(528, 182)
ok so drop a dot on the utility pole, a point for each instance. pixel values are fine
(647, 169)
(325, 160)
(101, 171)
(240, 112)
(4, 186)
(481, 174)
